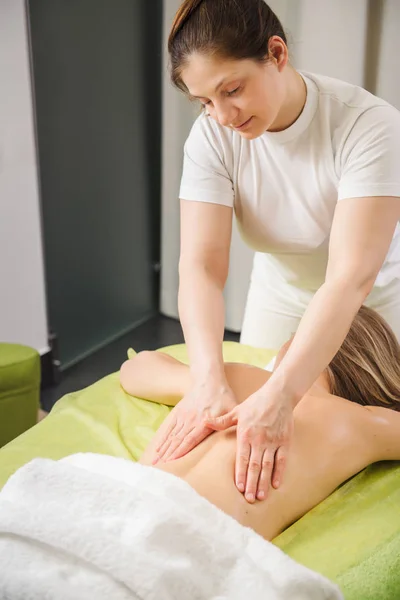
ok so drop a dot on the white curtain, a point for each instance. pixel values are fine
(355, 41)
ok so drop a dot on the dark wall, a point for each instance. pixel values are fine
(97, 81)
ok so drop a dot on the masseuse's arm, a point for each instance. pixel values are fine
(203, 269)
(360, 238)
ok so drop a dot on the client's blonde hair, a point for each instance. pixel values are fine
(366, 369)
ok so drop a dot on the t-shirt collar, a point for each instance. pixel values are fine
(304, 119)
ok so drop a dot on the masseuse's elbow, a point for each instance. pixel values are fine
(357, 284)
(367, 286)
(214, 267)
(362, 283)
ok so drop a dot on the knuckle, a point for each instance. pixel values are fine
(267, 463)
(254, 465)
(243, 456)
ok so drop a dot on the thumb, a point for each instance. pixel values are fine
(223, 422)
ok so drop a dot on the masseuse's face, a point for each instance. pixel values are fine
(243, 95)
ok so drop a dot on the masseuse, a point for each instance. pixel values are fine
(310, 166)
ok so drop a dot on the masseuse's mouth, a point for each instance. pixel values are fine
(243, 125)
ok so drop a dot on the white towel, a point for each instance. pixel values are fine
(93, 527)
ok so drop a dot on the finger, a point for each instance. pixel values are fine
(253, 472)
(242, 461)
(223, 422)
(176, 442)
(172, 436)
(191, 441)
(166, 435)
(279, 466)
(265, 476)
(267, 466)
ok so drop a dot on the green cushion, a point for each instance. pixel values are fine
(19, 390)
(353, 537)
(19, 367)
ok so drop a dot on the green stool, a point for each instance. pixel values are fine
(19, 390)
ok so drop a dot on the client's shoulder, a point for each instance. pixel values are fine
(374, 430)
(321, 403)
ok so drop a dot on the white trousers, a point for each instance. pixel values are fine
(274, 308)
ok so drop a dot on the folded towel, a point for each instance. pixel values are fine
(98, 527)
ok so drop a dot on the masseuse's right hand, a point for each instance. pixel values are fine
(187, 429)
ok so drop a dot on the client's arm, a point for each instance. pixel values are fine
(161, 378)
(155, 376)
(384, 434)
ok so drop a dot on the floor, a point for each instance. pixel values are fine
(157, 332)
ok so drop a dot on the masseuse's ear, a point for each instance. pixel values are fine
(282, 352)
(278, 52)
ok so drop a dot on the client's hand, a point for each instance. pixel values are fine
(188, 427)
(264, 430)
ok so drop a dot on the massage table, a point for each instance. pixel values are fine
(353, 537)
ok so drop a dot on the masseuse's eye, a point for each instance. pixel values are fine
(233, 92)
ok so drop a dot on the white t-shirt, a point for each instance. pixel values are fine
(284, 186)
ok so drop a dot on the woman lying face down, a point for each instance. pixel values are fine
(346, 421)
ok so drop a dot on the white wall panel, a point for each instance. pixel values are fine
(22, 290)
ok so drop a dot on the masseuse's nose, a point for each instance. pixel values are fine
(226, 114)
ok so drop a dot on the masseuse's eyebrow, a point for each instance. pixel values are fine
(221, 83)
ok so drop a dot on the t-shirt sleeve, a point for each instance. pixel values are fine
(370, 158)
(205, 177)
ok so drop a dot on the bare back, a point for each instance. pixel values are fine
(331, 443)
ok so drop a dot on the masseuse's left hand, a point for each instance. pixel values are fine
(264, 431)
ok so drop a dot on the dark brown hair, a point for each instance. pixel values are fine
(366, 369)
(230, 29)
